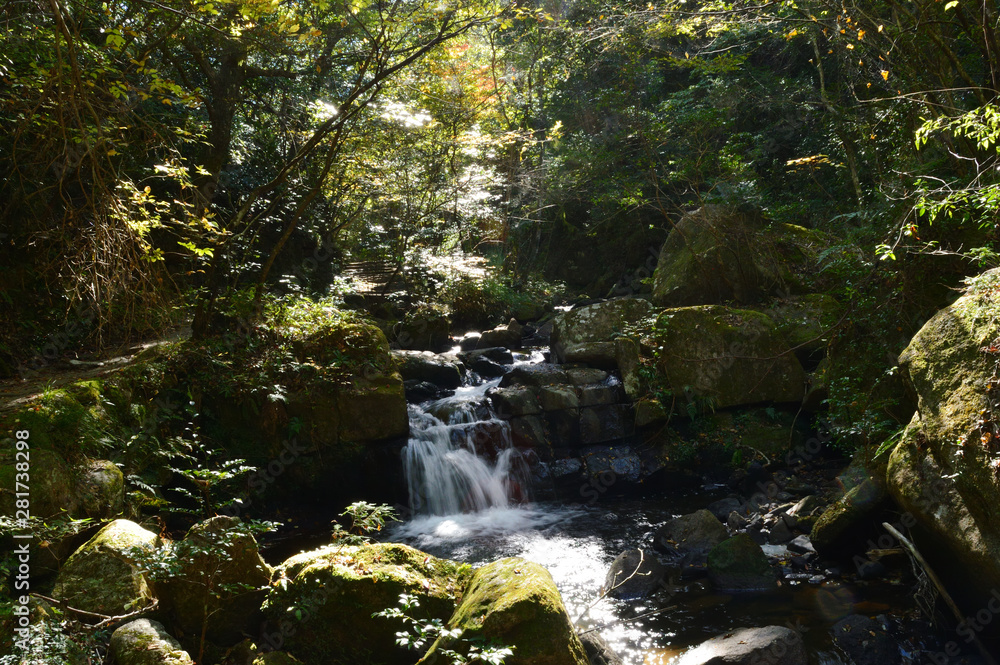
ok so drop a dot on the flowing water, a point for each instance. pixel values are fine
(469, 492)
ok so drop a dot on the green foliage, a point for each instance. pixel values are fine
(421, 633)
(366, 519)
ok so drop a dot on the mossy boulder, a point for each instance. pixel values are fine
(739, 564)
(346, 340)
(590, 331)
(373, 409)
(693, 535)
(726, 356)
(423, 329)
(104, 575)
(100, 489)
(220, 582)
(718, 254)
(53, 486)
(943, 471)
(322, 602)
(146, 642)
(515, 603)
(846, 525)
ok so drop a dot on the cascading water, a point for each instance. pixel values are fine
(459, 457)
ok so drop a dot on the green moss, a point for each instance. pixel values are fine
(725, 356)
(102, 575)
(329, 596)
(515, 603)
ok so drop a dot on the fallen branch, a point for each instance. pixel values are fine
(105, 620)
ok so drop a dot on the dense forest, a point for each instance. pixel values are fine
(257, 255)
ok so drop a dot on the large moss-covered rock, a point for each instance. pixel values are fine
(728, 357)
(516, 603)
(943, 472)
(53, 488)
(220, 582)
(580, 333)
(717, 254)
(146, 642)
(104, 574)
(322, 601)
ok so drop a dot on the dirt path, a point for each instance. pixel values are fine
(18, 391)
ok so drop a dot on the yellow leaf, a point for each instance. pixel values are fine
(869, 84)
(861, 35)
(881, 27)
(850, 47)
(112, 152)
(885, 75)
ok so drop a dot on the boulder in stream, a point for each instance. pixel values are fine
(426, 366)
(770, 645)
(585, 334)
(739, 564)
(320, 604)
(516, 603)
(634, 574)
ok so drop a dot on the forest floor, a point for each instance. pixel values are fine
(18, 391)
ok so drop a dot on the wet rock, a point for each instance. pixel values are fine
(570, 467)
(581, 376)
(498, 354)
(512, 402)
(603, 424)
(739, 564)
(146, 642)
(600, 395)
(806, 322)
(801, 544)
(696, 533)
(426, 366)
(332, 592)
(554, 398)
(771, 645)
(634, 574)
(516, 603)
(420, 391)
(529, 432)
(724, 507)
(806, 507)
(736, 521)
(535, 376)
(215, 554)
(104, 575)
(845, 526)
(469, 341)
(865, 641)
(598, 650)
(507, 336)
(588, 331)
(612, 464)
(486, 368)
(779, 533)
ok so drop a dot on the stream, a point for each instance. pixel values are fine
(471, 500)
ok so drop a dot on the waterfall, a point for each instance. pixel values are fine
(459, 457)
